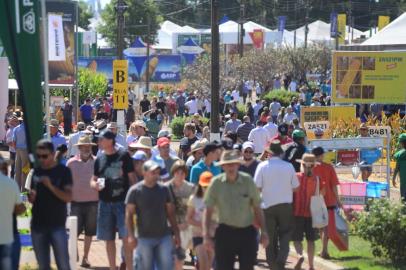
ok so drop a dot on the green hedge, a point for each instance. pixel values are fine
(178, 123)
(284, 97)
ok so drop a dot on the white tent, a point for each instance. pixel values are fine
(393, 34)
(165, 35)
(288, 38)
(189, 29)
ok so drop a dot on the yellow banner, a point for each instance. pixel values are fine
(323, 113)
(383, 21)
(369, 77)
(341, 27)
(120, 84)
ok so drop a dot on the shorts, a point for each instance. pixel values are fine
(111, 218)
(86, 212)
(303, 226)
(197, 241)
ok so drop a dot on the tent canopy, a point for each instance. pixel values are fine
(393, 34)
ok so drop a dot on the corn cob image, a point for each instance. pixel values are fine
(344, 87)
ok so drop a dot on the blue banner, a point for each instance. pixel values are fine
(162, 68)
(333, 24)
(281, 23)
(370, 156)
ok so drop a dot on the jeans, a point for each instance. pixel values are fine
(42, 240)
(232, 242)
(16, 251)
(110, 217)
(156, 252)
(5, 257)
(279, 225)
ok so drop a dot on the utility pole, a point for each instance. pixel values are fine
(306, 22)
(215, 72)
(120, 28)
(241, 30)
(148, 44)
(294, 32)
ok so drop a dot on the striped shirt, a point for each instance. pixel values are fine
(244, 130)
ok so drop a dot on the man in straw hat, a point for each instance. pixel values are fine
(400, 169)
(276, 179)
(237, 200)
(301, 210)
(113, 175)
(84, 198)
(196, 153)
(74, 138)
(366, 169)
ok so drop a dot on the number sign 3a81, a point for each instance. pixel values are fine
(120, 84)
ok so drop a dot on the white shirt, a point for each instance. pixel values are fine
(257, 107)
(293, 86)
(9, 198)
(289, 117)
(74, 139)
(275, 107)
(276, 179)
(155, 152)
(258, 88)
(272, 129)
(236, 95)
(192, 106)
(259, 136)
(207, 104)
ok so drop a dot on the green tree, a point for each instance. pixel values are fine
(136, 21)
(91, 83)
(85, 14)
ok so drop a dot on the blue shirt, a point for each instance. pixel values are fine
(19, 137)
(201, 167)
(86, 111)
(57, 140)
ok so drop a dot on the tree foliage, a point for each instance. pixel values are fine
(136, 17)
(85, 14)
(91, 83)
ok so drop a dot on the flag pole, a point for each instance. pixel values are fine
(46, 68)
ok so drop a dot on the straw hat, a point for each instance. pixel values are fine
(85, 140)
(307, 159)
(230, 157)
(143, 142)
(198, 145)
(140, 123)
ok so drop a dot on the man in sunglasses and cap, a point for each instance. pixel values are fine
(112, 177)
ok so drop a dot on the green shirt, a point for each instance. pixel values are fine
(400, 158)
(233, 200)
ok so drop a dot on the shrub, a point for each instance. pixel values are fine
(384, 226)
(178, 123)
(241, 110)
(284, 97)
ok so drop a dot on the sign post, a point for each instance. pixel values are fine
(120, 90)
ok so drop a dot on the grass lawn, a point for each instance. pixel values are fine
(358, 257)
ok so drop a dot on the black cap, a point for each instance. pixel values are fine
(211, 147)
(317, 151)
(107, 134)
(283, 129)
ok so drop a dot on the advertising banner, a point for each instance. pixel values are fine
(257, 38)
(322, 113)
(341, 27)
(347, 157)
(317, 130)
(333, 25)
(120, 84)
(162, 68)
(369, 77)
(62, 69)
(382, 22)
(56, 43)
(281, 23)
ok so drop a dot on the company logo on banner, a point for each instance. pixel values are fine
(120, 84)
(382, 22)
(341, 27)
(333, 24)
(56, 42)
(257, 38)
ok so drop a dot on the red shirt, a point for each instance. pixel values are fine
(286, 140)
(329, 180)
(302, 197)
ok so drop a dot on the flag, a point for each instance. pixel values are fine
(382, 22)
(281, 23)
(257, 38)
(333, 24)
(341, 26)
(19, 33)
(56, 42)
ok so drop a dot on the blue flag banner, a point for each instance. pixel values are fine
(333, 24)
(281, 23)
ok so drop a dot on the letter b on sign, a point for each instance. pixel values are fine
(120, 76)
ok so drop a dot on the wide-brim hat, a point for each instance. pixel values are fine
(140, 123)
(198, 145)
(143, 142)
(308, 159)
(230, 157)
(85, 140)
(275, 148)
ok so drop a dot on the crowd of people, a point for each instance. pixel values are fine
(216, 199)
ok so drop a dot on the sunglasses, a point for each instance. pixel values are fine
(45, 156)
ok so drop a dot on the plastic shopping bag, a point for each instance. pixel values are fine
(318, 209)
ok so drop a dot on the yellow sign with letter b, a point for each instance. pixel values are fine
(120, 84)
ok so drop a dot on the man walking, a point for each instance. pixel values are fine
(275, 107)
(67, 110)
(86, 111)
(232, 124)
(211, 153)
(296, 150)
(51, 190)
(277, 180)
(244, 129)
(237, 200)
(400, 158)
(259, 136)
(152, 203)
(186, 142)
(250, 163)
(74, 138)
(12, 123)
(112, 177)
(21, 164)
(84, 198)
